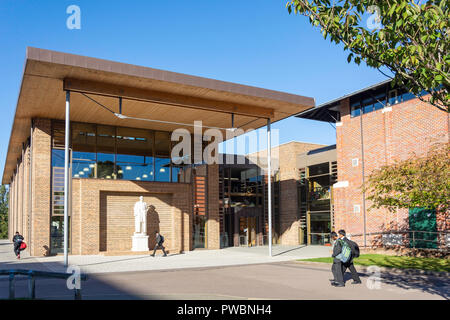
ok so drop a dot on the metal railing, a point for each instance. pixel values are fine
(32, 275)
(437, 240)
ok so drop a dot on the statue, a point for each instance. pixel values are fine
(140, 216)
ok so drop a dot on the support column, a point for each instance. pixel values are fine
(269, 186)
(66, 181)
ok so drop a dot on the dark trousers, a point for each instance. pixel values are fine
(351, 267)
(159, 246)
(338, 273)
(17, 248)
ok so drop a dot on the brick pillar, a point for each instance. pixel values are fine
(213, 207)
(41, 187)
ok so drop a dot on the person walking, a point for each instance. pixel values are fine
(17, 241)
(355, 254)
(336, 268)
(159, 244)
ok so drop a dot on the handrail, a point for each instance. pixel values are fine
(32, 274)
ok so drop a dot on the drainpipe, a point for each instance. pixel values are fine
(363, 177)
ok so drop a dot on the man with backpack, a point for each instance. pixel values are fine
(336, 268)
(17, 241)
(159, 244)
(354, 254)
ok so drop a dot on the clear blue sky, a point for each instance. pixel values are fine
(249, 42)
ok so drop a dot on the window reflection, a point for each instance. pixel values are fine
(108, 152)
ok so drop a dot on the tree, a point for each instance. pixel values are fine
(409, 38)
(4, 199)
(415, 182)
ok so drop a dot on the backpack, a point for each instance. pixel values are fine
(23, 246)
(355, 248)
(162, 238)
(346, 252)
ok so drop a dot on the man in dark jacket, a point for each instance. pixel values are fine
(159, 244)
(338, 276)
(17, 241)
(349, 264)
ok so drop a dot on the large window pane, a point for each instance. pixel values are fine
(162, 168)
(162, 144)
(175, 174)
(83, 137)
(106, 137)
(355, 109)
(133, 170)
(134, 142)
(105, 166)
(367, 105)
(380, 101)
(83, 165)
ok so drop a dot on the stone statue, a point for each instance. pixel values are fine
(140, 216)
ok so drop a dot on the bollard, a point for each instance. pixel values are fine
(12, 286)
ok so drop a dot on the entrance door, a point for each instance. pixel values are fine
(248, 231)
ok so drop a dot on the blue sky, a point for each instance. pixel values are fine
(249, 42)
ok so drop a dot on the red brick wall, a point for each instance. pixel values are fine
(410, 128)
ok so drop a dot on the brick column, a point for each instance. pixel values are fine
(213, 207)
(41, 187)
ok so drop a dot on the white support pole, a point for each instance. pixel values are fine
(269, 186)
(66, 181)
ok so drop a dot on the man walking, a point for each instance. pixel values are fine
(159, 244)
(17, 241)
(349, 264)
(336, 268)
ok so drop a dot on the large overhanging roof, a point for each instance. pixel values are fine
(147, 93)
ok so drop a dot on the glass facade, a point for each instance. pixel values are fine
(109, 152)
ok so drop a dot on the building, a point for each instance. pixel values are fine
(376, 126)
(121, 119)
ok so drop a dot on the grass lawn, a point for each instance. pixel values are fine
(382, 260)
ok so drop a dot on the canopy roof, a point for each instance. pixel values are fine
(146, 93)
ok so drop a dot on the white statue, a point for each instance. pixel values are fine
(140, 216)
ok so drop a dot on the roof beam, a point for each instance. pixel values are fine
(132, 93)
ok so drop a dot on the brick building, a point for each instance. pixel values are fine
(376, 126)
(120, 148)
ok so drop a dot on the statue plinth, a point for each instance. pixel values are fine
(140, 242)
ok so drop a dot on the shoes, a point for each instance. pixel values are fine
(152, 255)
(165, 255)
(356, 282)
(18, 256)
(335, 284)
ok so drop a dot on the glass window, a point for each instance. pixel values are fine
(393, 97)
(83, 137)
(106, 139)
(162, 168)
(407, 96)
(380, 101)
(84, 165)
(367, 105)
(176, 174)
(135, 168)
(355, 109)
(162, 144)
(105, 166)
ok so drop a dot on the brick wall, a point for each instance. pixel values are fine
(102, 214)
(407, 130)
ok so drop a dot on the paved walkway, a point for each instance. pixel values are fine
(192, 259)
(234, 273)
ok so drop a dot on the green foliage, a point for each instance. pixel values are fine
(401, 262)
(415, 182)
(4, 200)
(412, 41)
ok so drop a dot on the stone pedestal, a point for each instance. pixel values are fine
(140, 242)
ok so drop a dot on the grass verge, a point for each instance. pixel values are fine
(401, 262)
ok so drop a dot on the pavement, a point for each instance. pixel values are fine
(192, 259)
(202, 275)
